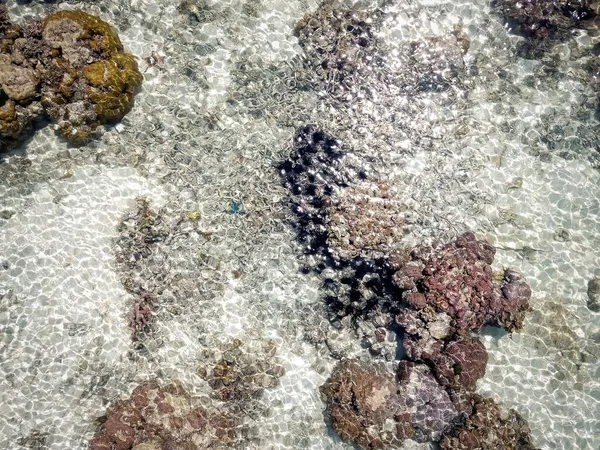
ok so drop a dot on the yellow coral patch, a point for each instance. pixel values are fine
(94, 29)
(113, 83)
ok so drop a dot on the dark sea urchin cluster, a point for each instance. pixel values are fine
(434, 297)
(438, 295)
(70, 68)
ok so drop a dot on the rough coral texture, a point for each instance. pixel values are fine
(364, 407)
(100, 78)
(461, 363)
(374, 410)
(70, 67)
(366, 220)
(544, 22)
(161, 417)
(242, 372)
(431, 408)
(138, 234)
(340, 43)
(457, 279)
(437, 63)
(488, 428)
(345, 55)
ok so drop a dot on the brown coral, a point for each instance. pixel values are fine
(100, 80)
(488, 428)
(364, 406)
(456, 278)
(365, 220)
(70, 66)
(156, 417)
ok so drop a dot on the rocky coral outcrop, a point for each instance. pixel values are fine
(457, 279)
(366, 220)
(99, 78)
(487, 427)
(364, 407)
(545, 22)
(430, 407)
(70, 67)
(137, 236)
(242, 372)
(159, 417)
(373, 409)
(340, 43)
(436, 63)
(461, 363)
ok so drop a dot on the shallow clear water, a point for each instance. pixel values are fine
(209, 126)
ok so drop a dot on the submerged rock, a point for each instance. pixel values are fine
(160, 417)
(70, 67)
(461, 363)
(431, 409)
(138, 235)
(594, 295)
(366, 220)
(488, 428)
(242, 373)
(99, 79)
(368, 407)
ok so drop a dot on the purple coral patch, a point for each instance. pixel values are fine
(457, 279)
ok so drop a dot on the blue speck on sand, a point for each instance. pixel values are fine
(235, 208)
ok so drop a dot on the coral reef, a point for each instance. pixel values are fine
(345, 55)
(431, 408)
(545, 22)
(340, 43)
(488, 428)
(70, 67)
(366, 220)
(242, 372)
(436, 64)
(369, 407)
(99, 79)
(461, 363)
(457, 279)
(140, 318)
(364, 406)
(160, 417)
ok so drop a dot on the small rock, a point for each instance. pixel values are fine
(594, 295)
